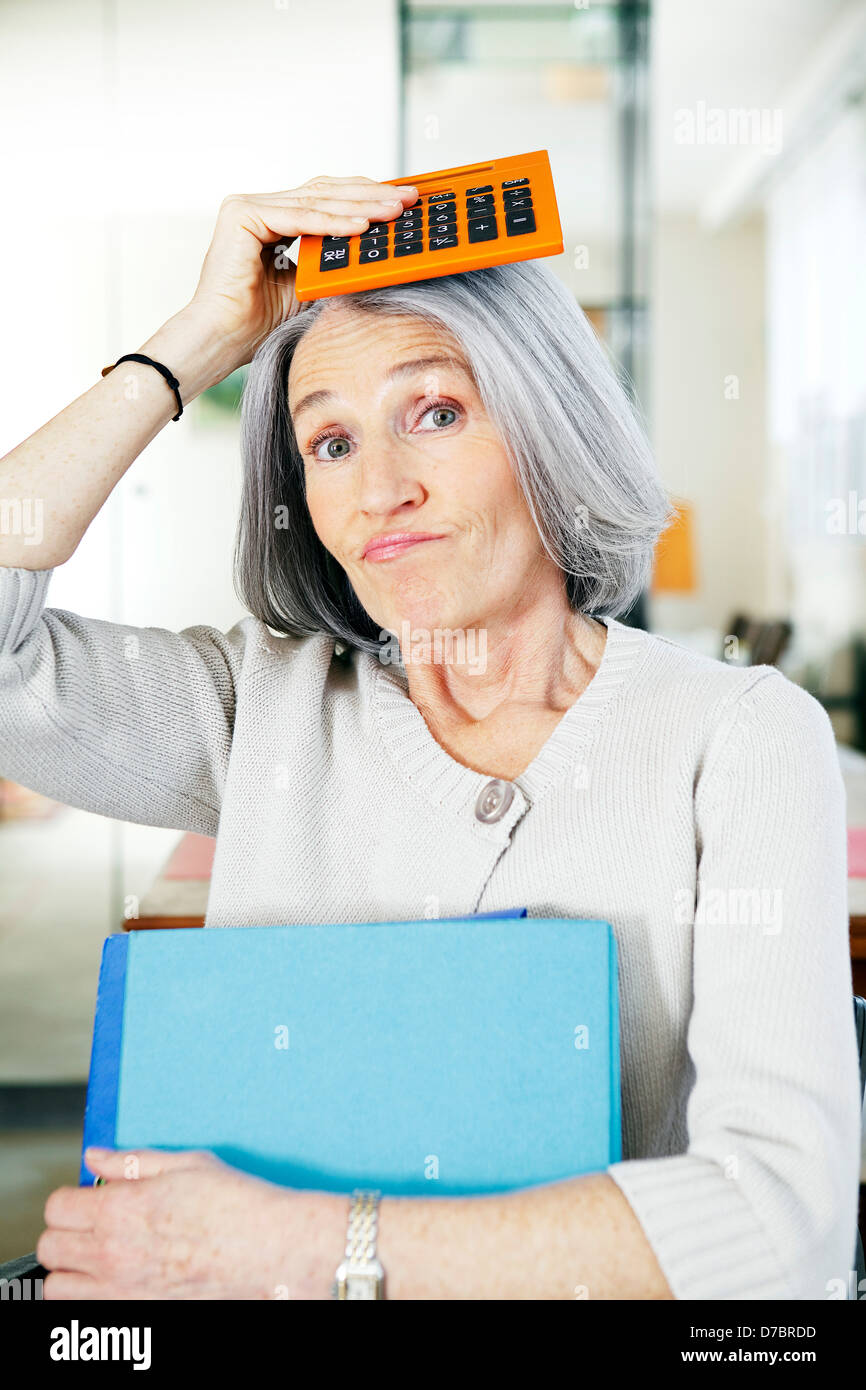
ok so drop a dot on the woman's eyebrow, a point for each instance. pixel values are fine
(401, 369)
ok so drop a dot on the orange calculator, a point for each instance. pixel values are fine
(466, 218)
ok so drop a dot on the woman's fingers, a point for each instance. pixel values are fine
(113, 1164)
(68, 1250)
(65, 1286)
(353, 188)
(289, 220)
(367, 200)
(236, 287)
(295, 217)
(71, 1208)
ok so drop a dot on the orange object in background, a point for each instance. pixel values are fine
(674, 564)
(465, 218)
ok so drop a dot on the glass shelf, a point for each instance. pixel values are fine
(482, 81)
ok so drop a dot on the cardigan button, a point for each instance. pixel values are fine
(493, 801)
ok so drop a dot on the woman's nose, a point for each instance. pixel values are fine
(386, 477)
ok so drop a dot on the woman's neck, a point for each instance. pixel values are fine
(527, 672)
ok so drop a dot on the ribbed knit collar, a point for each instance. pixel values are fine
(425, 763)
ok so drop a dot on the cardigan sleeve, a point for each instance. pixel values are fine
(129, 722)
(763, 1203)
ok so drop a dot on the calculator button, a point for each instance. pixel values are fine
(518, 223)
(334, 256)
(440, 197)
(377, 229)
(441, 243)
(372, 253)
(518, 204)
(410, 215)
(480, 203)
(483, 229)
(368, 242)
(513, 183)
(409, 248)
(444, 228)
(446, 213)
(400, 238)
(485, 188)
(510, 194)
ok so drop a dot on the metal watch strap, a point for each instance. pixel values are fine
(360, 1275)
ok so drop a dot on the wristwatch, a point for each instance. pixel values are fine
(360, 1275)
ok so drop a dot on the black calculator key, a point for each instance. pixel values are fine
(444, 213)
(483, 229)
(440, 197)
(518, 204)
(409, 248)
(480, 203)
(509, 194)
(441, 243)
(484, 188)
(443, 228)
(372, 253)
(369, 243)
(513, 183)
(519, 223)
(400, 238)
(377, 229)
(414, 214)
(334, 256)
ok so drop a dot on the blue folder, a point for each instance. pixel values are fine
(440, 1057)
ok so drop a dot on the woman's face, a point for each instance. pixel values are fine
(395, 441)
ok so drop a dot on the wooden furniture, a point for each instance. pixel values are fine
(178, 895)
(853, 764)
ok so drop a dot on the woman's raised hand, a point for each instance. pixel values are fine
(247, 283)
(245, 291)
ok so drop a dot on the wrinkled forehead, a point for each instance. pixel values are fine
(344, 344)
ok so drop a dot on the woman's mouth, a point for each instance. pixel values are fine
(389, 546)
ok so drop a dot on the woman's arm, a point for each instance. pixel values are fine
(763, 1204)
(131, 722)
(69, 467)
(185, 1225)
(568, 1240)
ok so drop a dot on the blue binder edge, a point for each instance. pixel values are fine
(100, 1114)
(480, 916)
(615, 1084)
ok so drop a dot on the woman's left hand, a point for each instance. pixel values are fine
(186, 1226)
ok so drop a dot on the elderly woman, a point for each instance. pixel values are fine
(453, 461)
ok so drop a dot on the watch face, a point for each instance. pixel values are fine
(361, 1286)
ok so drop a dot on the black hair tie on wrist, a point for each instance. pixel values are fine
(149, 362)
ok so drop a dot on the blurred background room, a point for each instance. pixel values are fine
(710, 165)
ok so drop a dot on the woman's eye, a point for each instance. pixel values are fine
(440, 415)
(336, 447)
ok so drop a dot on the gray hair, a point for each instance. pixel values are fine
(576, 442)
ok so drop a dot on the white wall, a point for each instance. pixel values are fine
(122, 127)
(816, 311)
(125, 126)
(708, 410)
